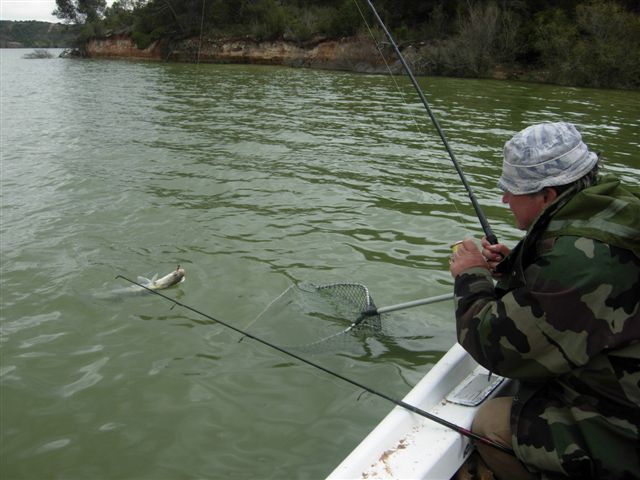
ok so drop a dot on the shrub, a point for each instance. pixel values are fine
(485, 36)
(268, 20)
(599, 50)
(609, 47)
(554, 39)
(38, 54)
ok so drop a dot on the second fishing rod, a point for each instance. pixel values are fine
(412, 408)
(476, 206)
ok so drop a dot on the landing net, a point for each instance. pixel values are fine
(318, 318)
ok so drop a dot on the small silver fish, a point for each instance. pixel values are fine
(169, 280)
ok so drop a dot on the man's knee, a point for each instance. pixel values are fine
(493, 420)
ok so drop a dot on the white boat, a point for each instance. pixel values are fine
(406, 445)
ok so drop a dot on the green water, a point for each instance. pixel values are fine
(252, 179)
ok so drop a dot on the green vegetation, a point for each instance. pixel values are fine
(32, 34)
(588, 43)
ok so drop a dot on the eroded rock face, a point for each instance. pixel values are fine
(121, 46)
(354, 54)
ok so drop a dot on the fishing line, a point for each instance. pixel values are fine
(201, 28)
(393, 78)
(384, 59)
(445, 423)
(476, 206)
(398, 89)
(265, 309)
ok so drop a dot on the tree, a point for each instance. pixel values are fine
(120, 15)
(80, 11)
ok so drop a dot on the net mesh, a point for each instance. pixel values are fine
(351, 299)
(318, 318)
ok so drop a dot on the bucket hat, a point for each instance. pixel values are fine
(544, 155)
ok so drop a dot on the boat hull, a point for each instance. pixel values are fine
(409, 446)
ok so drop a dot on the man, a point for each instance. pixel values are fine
(563, 318)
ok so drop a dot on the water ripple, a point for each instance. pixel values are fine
(252, 178)
(11, 327)
(90, 377)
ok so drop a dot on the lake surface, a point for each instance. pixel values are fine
(253, 179)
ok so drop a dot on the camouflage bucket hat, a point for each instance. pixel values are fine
(544, 155)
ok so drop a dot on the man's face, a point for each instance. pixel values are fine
(527, 207)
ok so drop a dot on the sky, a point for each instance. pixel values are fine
(29, 10)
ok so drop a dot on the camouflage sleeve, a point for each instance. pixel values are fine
(577, 299)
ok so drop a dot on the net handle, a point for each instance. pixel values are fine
(414, 303)
(370, 312)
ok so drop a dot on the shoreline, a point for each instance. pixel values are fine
(354, 54)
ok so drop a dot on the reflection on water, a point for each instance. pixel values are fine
(253, 179)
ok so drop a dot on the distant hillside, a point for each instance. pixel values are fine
(33, 34)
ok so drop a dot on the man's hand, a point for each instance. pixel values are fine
(494, 253)
(466, 256)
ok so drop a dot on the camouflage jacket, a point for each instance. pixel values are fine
(564, 320)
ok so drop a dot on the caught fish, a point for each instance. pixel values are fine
(169, 280)
(155, 283)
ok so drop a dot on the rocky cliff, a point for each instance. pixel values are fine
(353, 54)
(121, 46)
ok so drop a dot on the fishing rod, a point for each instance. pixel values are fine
(476, 206)
(445, 423)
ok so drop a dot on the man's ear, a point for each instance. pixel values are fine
(549, 195)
